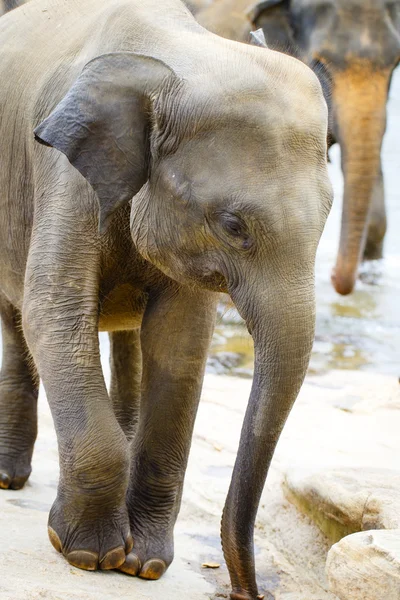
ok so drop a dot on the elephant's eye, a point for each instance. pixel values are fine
(232, 224)
(235, 227)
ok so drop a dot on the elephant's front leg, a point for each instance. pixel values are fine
(176, 334)
(88, 521)
(376, 222)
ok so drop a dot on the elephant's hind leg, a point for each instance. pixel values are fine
(126, 376)
(18, 402)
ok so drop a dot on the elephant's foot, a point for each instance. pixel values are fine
(245, 596)
(15, 458)
(153, 568)
(99, 541)
(375, 237)
(14, 472)
(373, 250)
(151, 555)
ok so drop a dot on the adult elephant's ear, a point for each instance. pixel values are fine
(274, 18)
(103, 125)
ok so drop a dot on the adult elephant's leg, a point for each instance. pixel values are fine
(88, 521)
(126, 377)
(376, 222)
(176, 334)
(19, 386)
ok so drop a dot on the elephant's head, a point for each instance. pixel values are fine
(226, 172)
(353, 46)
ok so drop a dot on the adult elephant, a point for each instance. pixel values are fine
(353, 47)
(117, 220)
(7, 5)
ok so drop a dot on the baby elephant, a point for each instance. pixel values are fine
(172, 165)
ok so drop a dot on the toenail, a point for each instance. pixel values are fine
(54, 539)
(129, 544)
(131, 565)
(5, 481)
(113, 559)
(83, 559)
(153, 569)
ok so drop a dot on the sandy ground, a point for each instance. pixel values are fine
(340, 419)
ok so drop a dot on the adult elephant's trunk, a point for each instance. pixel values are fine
(359, 113)
(281, 320)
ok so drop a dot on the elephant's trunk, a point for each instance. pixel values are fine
(359, 105)
(281, 320)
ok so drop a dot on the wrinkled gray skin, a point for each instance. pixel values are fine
(353, 46)
(180, 164)
(7, 5)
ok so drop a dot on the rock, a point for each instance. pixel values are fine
(345, 501)
(366, 566)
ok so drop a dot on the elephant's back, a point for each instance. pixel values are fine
(45, 44)
(36, 69)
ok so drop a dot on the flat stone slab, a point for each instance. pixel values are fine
(366, 566)
(345, 501)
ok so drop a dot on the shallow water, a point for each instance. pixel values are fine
(360, 331)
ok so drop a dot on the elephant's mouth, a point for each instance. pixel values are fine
(214, 281)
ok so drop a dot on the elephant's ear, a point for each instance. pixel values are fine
(273, 16)
(103, 125)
